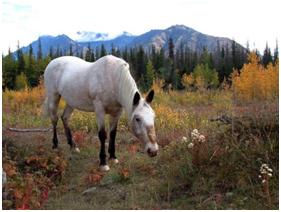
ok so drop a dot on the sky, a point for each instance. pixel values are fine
(243, 20)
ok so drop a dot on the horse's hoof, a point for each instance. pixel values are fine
(56, 149)
(114, 160)
(104, 168)
(77, 150)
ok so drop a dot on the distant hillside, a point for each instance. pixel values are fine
(181, 35)
(61, 42)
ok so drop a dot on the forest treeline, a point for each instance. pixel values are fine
(176, 67)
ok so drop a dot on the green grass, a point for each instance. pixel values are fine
(221, 173)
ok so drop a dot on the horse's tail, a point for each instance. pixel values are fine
(45, 109)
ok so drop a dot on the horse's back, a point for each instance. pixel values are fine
(80, 82)
(71, 67)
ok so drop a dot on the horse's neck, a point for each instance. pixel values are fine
(127, 90)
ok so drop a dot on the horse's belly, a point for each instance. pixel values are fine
(84, 107)
(80, 103)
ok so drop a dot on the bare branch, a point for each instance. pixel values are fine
(30, 130)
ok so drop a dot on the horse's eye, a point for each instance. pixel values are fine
(137, 119)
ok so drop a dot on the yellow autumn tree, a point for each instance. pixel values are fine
(187, 80)
(202, 78)
(255, 82)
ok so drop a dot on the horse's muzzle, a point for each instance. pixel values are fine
(151, 153)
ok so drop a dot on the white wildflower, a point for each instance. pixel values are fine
(190, 145)
(202, 138)
(184, 139)
(264, 165)
(195, 131)
(270, 170)
(259, 176)
(264, 169)
(263, 181)
(195, 134)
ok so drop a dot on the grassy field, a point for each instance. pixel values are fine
(221, 171)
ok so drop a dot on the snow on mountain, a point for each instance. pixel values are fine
(88, 36)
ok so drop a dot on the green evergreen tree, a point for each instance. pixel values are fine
(103, 51)
(39, 53)
(171, 65)
(70, 50)
(93, 57)
(181, 60)
(51, 53)
(228, 62)
(118, 53)
(222, 72)
(40, 60)
(153, 56)
(267, 57)
(206, 58)
(113, 50)
(20, 61)
(159, 60)
(57, 53)
(171, 49)
(125, 54)
(140, 64)
(190, 59)
(89, 53)
(219, 61)
(132, 61)
(149, 76)
(176, 80)
(31, 75)
(233, 52)
(97, 55)
(21, 82)
(81, 54)
(276, 53)
(238, 55)
(9, 71)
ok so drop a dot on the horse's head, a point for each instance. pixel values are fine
(142, 122)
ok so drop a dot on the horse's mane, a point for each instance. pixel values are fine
(127, 88)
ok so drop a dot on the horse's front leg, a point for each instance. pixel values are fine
(100, 114)
(113, 129)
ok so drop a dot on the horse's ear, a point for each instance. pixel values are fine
(149, 96)
(136, 99)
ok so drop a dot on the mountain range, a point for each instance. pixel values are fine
(181, 35)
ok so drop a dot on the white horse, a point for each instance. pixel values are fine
(104, 87)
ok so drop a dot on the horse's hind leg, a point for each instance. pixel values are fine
(65, 118)
(53, 101)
